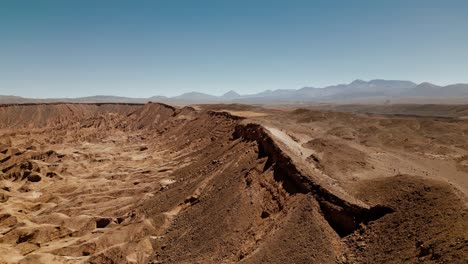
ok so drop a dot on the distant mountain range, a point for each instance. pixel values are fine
(373, 91)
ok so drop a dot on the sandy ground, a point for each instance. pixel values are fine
(353, 147)
(158, 184)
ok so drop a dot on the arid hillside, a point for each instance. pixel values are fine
(129, 183)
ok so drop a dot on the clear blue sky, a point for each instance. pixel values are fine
(144, 48)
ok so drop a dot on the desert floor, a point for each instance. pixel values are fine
(128, 183)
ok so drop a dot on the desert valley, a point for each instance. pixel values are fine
(154, 183)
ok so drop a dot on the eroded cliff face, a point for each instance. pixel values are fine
(153, 183)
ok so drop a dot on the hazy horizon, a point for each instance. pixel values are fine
(55, 49)
(243, 94)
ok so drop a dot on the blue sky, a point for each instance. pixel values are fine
(145, 48)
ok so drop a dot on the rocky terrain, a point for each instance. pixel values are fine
(153, 183)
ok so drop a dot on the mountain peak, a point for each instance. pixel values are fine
(427, 84)
(230, 95)
(358, 81)
(195, 96)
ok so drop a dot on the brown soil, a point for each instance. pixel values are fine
(429, 223)
(122, 183)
